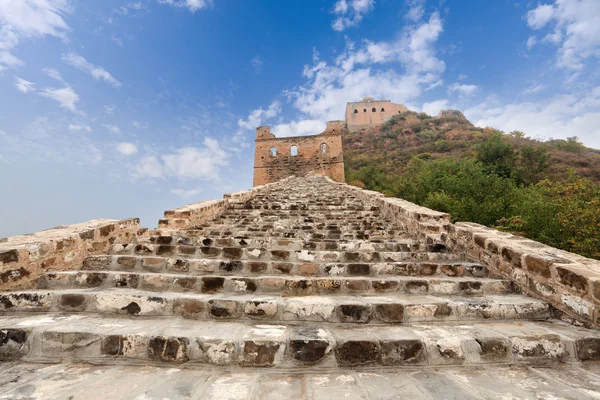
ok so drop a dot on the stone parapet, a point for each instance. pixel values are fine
(569, 282)
(199, 213)
(24, 259)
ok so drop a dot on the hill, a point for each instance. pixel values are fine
(450, 134)
(545, 190)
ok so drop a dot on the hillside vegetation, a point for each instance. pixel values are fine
(547, 191)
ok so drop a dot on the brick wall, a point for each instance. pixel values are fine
(270, 168)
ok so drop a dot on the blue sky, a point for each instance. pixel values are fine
(122, 109)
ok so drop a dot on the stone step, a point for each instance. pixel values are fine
(186, 239)
(272, 284)
(302, 207)
(439, 268)
(388, 308)
(103, 340)
(300, 234)
(238, 233)
(308, 213)
(261, 254)
(314, 219)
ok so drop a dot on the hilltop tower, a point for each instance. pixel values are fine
(369, 112)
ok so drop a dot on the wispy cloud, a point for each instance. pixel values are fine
(192, 5)
(96, 72)
(186, 163)
(186, 193)
(27, 19)
(257, 64)
(127, 149)
(24, 86)
(65, 97)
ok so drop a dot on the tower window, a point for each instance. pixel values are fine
(355, 111)
(382, 109)
(365, 110)
(323, 148)
(273, 151)
(294, 151)
(374, 109)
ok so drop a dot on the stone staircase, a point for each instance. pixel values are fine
(305, 275)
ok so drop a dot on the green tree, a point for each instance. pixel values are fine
(497, 155)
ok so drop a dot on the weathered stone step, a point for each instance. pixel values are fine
(273, 284)
(303, 234)
(388, 308)
(208, 266)
(297, 205)
(187, 239)
(261, 254)
(94, 339)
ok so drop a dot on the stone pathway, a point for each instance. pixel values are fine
(86, 382)
(309, 280)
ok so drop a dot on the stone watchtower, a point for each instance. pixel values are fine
(369, 112)
(277, 158)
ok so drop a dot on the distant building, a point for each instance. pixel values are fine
(369, 112)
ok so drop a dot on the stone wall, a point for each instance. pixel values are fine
(24, 259)
(569, 282)
(369, 112)
(311, 156)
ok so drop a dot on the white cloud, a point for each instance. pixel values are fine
(257, 64)
(30, 19)
(534, 88)
(370, 71)
(350, 12)
(540, 16)
(299, 128)
(434, 107)
(54, 74)
(118, 41)
(127, 149)
(257, 117)
(186, 163)
(108, 110)
(149, 167)
(574, 26)
(560, 116)
(531, 42)
(78, 128)
(96, 72)
(185, 193)
(463, 90)
(66, 97)
(192, 5)
(139, 125)
(24, 86)
(112, 128)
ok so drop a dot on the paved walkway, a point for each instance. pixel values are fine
(86, 382)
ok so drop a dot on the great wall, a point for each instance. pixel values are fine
(301, 287)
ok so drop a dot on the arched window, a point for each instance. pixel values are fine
(365, 110)
(294, 151)
(273, 151)
(374, 109)
(355, 111)
(382, 109)
(323, 148)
